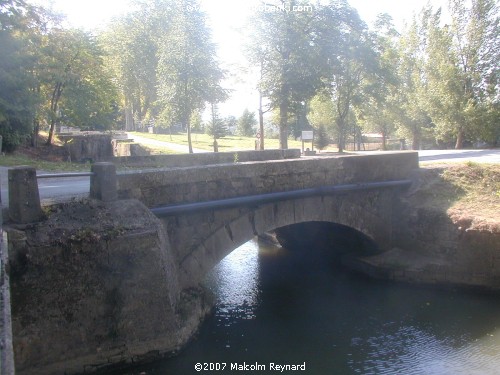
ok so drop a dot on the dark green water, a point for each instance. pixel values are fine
(283, 308)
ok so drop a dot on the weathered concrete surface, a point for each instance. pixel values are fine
(88, 147)
(219, 233)
(199, 241)
(208, 158)
(94, 285)
(212, 182)
(24, 198)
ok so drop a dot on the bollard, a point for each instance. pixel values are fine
(24, 198)
(103, 182)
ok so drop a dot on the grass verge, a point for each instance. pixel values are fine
(228, 143)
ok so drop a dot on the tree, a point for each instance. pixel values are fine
(377, 108)
(74, 65)
(246, 124)
(411, 115)
(132, 43)
(231, 124)
(283, 47)
(462, 68)
(188, 73)
(18, 94)
(217, 127)
(322, 112)
(321, 139)
(348, 57)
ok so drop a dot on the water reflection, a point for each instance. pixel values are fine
(235, 282)
(283, 307)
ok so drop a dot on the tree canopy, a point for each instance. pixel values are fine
(319, 66)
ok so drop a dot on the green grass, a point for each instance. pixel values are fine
(469, 188)
(229, 143)
(200, 141)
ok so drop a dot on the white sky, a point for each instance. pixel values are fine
(226, 17)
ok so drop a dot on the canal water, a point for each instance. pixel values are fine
(275, 307)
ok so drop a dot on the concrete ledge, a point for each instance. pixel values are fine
(208, 158)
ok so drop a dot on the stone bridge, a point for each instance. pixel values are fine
(201, 235)
(104, 282)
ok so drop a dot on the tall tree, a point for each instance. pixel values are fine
(188, 72)
(19, 22)
(411, 114)
(285, 49)
(462, 68)
(377, 107)
(348, 57)
(74, 65)
(132, 43)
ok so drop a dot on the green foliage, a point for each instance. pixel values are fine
(89, 99)
(17, 99)
(321, 139)
(188, 74)
(462, 70)
(246, 124)
(216, 127)
(132, 43)
(158, 64)
(283, 45)
(348, 57)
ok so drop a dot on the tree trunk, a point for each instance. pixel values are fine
(56, 95)
(36, 130)
(460, 140)
(341, 131)
(284, 125)
(384, 141)
(190, 143)
(261, 123)
(51, 132)
(415, 141)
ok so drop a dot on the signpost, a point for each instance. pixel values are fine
(308, 136)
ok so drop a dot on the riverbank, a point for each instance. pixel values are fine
(453, 230)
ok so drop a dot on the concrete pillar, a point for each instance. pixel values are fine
(103, 182)
(24, 198)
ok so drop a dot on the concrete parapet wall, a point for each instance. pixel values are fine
(213, 182)
(88, 147)
(189, 160)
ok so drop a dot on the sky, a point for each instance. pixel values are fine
(226, 18)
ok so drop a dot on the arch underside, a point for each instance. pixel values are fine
(367, 212)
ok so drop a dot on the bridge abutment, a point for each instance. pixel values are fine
(96, 285)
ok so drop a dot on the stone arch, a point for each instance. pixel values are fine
(330, 241)
(368, 212)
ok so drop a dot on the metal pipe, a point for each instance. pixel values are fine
(272, 197)
(59, 175)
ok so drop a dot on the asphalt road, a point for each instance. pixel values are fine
(51, 189)
(65, 188)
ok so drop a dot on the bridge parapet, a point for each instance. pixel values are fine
(215, 182)
(207, 158)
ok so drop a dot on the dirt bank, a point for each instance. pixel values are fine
(452, 230)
